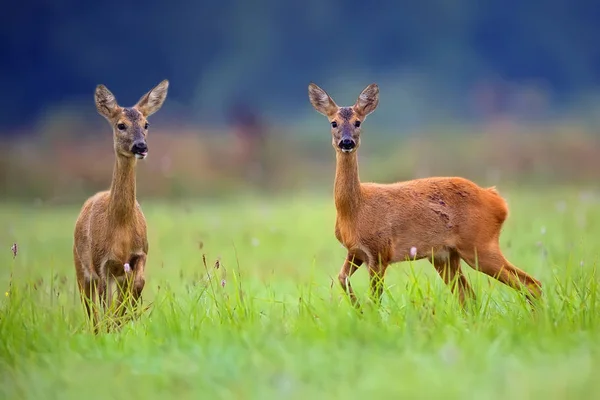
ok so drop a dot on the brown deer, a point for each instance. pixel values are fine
(444, 219)
(110, 240)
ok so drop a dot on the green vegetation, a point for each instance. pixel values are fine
(272, 324)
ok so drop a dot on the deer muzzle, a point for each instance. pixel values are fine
(347, 144)
(139, 149)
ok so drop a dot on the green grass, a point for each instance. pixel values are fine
(280, 326)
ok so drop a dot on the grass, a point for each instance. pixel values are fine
(271, 322)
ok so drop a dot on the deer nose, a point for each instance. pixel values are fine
(139, 148)
(347, 144)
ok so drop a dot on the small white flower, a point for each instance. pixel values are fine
(255, 242)
(543, 230)
(127, 268)
(413, 252)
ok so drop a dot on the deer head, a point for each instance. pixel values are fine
(130, 124)
(346, 122)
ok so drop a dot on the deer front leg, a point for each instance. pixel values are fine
(376, 280)
(139, 280)
(104, 292)
(88, 289)
(350, 266)
(130, 286)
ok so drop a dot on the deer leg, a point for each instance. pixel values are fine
(130, 286)
(491, 261)
(376, 280)
(122, 286)
(104, 292)
(85, 286)
(139, 281)
(109, 292)
(350, 266)
(88, 290)
(451, 272)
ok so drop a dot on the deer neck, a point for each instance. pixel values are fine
(347, 192)
(122, 191)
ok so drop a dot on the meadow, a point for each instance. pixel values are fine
(244, 303)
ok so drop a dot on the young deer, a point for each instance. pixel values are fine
(110, 241)
(442, 219)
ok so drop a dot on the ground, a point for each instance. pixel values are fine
(274, 322)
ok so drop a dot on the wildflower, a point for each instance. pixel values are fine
(413, 252)
(543, 230)
(223, 282)
(127, 268)
(6, 294)
(14, 248)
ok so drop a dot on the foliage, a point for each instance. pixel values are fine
(270, 321)
(189, 163)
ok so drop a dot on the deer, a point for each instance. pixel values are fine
(110, 238)
(442, 219)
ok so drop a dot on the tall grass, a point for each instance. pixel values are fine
(244, 303)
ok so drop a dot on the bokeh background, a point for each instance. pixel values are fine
(503, 92)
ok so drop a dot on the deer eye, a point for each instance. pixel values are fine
(333, 124)
(146, 126)
(121, 127)
(357, 124)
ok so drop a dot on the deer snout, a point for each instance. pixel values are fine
(140, 149)
(347, 144)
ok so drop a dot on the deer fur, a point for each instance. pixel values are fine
(443, 219)
(110, 240)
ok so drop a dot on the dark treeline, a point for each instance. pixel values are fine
(266, 51)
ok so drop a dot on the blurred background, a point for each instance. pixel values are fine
(502, 92)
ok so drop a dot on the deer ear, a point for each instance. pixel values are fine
(321, 101)
(367, 100)
(152, 101)
(106, 103)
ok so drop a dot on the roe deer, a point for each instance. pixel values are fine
(110, 240)
(443, 219)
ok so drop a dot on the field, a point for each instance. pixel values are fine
(271, 321)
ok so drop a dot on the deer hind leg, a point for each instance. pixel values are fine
(349, 267)
(492, 262)
(448, 266)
